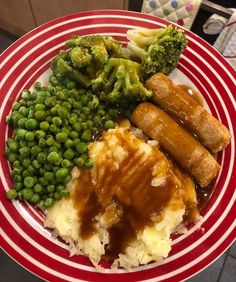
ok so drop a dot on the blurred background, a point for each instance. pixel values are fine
(17, 17)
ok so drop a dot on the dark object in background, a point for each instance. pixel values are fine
(201, 18)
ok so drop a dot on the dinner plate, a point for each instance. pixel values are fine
(22, 234)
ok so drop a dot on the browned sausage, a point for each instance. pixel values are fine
(177, 141)
(213, 134)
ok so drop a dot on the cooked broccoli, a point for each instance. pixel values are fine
(80, 57)
(87, 56)
(62, 68)
(101, 47)
(158, 49)
(119, 83)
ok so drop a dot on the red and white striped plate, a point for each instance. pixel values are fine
(22, 234)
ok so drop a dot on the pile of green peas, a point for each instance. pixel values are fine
(52, 127)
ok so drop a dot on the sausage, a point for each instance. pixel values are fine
(213, 134)
(177, 141)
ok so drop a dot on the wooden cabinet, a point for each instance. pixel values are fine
(46, 10)
(16, 16)
(20, 16)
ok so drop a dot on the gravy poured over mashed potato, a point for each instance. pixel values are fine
(126, 207)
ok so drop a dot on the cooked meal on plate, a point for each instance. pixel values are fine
(116, 154)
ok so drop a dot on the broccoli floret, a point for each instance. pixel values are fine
(62, 68)
(85, 58)
(158, 49)
(119, 83)
(80, 57)
(100, 47)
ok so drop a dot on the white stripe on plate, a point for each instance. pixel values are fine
(37, 263)
(37, 245)
(197, 260)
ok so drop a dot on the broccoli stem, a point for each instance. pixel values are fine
(80, 78)
(138, 51)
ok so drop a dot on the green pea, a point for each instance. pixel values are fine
(49, 175)
(48, 167)
(57, 195)
(64, 193)
(70, 85)
(54, 158)
(16, 164)
(62, 113)
(61, 137)
(43, 181)
(31, 169)
(49, 119)
(29, 182)
(13, 147)
(81, 147)
(89, 123)
(15, 106)
(38, 188)
(76, 126)
(57, 121)
(31, 124)
(11, 194)
(18, 186)
(53, 128)
(73, 134)
(39, 134)
(40, 115)
(20, 134)
(9, 120)
(25, 173)
(35, 198)
(66, 163)
(50, 141)
(29, 136)
(21, 122)
(53, 80)
(109, 124)
(26, 94)
(40, 205)
(79, 162)
(50, 101)
(27, 193)
(42, 157)
(39, 107)
(35, 150)
(89, 163)
(42, 142)
(60, 187)
(26, 163)
(44, 125)
(67, 179)
(69, 154)
(31, 144)
(86, 135)
(97, 119)
(53, 111)
(37, 85)
(51, 188)
(68, 144)
(24, 151)
(61, 173)
(48, 202)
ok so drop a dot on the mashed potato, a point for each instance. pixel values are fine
(126, 207)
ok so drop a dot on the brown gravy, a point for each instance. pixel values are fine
(126, 215)
(191, 91)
